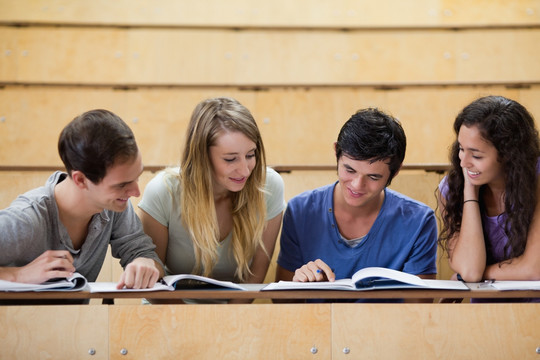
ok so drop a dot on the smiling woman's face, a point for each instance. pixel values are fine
(478, 157)
(233, 159)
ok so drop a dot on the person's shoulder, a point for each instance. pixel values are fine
(40, 197)
(271, 172)
(313, 196)
(273, 177)
(404, 201)
(33, 205)
(167, 178)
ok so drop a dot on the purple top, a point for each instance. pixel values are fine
(494, 233)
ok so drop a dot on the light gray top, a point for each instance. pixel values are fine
(31, 225)
(160, 203)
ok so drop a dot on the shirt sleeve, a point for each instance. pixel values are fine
(128, 240)
(290, 255)
(443, 187)
(275, 198)
(423, 258)
(25, 233)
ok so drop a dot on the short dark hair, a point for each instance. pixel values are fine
(370, 134)
(94, 141)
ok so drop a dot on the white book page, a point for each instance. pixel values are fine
(171, 279)
(516, 285)
(99, 287)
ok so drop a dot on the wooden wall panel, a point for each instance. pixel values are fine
(298, 126)
(445, 331)
(217, 332)
(260, 57)
(250, 13)
(8, 54)
(60, 55)
(54, 332)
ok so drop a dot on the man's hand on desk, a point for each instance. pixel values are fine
(49, 265)
(316, 270)
(141, 273)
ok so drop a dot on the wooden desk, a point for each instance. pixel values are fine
(254, 293)
(271, 331)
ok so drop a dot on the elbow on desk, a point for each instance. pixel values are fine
(468, 274)
(471, 276)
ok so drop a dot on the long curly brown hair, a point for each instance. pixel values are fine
(510, 128)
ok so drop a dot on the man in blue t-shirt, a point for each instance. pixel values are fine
(331, 232)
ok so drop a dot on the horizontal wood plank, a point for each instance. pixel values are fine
(298, 125)
(410, 331)
(220, 332)
(54, 332)
(193, 57)
(277, 13)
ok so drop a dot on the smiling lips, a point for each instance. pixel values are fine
(355, 194)
(239, 180)
(473, 173)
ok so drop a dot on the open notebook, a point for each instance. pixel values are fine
(171, 283)
(77, 282)
(371, 278)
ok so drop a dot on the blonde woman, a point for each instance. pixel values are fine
(220, 213)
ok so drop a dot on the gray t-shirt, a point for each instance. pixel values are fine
(160, 203)
(31, 225)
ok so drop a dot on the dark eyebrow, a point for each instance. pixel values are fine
(379, 176)
(471, 149)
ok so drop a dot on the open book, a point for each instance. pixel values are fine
(371, 278)
(516, 285)
(172, 282)
(76, 282)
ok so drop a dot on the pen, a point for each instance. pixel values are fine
(320, 271)
(486, 283)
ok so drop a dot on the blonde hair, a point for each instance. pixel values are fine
(209, 120)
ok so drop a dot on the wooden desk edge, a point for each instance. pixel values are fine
(278, 294)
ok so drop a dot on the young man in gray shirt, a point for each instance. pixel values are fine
(67, 224)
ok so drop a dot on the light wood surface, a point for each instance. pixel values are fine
(277, 13)
(298, 126)
(221, 332)
(273, 331)
(54, 332)
(205, 57)
(467, 331)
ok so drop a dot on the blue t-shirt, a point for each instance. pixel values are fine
(403, 237)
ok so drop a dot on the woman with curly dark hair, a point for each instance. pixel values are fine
(488, 200)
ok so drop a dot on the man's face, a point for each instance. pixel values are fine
(119, 184)
(362, 182)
